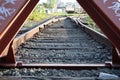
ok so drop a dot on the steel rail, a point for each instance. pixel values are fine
(95, 34)
(59, 66)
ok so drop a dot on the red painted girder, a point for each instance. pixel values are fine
(12, 24)
(106, 13)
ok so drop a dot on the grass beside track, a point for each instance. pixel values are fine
(36, 18)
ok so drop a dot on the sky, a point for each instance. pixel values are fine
(61, 0)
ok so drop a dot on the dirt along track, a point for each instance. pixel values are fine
(62, 42)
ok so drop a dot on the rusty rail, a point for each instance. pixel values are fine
(29, 34)
(95, 34)
(59, 66)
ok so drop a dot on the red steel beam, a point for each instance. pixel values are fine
(6, 16)
(14, 24)
(8, 20)
(106, 14)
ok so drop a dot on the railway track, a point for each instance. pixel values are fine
(57, 51)
(63, 42)
(60, 48)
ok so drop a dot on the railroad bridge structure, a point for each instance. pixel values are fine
(106, 13)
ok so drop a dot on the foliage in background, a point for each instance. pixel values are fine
(53, 3)
(63, 14)
(38, 14)
(90, 21)
(92, 24)
(50, 5)
(47, 5)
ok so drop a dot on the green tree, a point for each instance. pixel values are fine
(38, 13)
(47, 5)
(53, 3)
